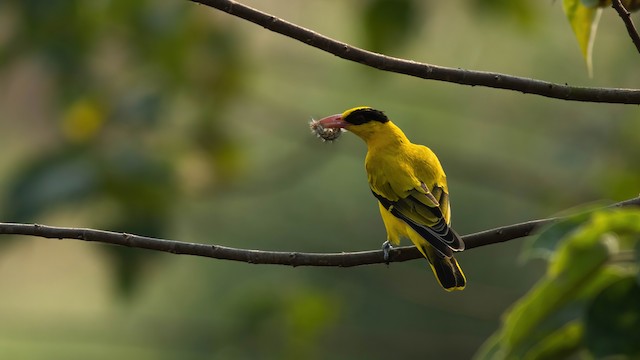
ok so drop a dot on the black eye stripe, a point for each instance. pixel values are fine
(365, 115)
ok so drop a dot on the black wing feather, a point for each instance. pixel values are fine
(441, 236)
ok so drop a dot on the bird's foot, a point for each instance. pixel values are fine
(386, 248)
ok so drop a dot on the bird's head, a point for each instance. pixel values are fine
(362, 121)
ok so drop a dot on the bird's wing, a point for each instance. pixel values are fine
(422, 210)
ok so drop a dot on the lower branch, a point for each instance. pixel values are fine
(398, 254)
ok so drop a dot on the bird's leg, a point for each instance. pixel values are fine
(386, 248)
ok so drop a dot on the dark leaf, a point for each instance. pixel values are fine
(389, 23)
(613, 320)
(51, 181)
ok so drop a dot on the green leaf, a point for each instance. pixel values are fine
(546, 242)
(613, 320)
(621, 221)
(491, 349)
(584, 22)
(554, 302)
(551, 303)
(541, 340)
(559, 344)
(578, 255)
(578, 271)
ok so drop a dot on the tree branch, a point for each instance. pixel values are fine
(398, 254)
(626, 17)
(423, 70)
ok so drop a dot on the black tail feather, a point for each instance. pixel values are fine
(446, 270)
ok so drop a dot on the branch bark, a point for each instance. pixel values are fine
(398, 254)
(626, 18)
(423, 70)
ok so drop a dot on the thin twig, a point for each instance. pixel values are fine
(423, 70)
(350, 259)
(626, 17)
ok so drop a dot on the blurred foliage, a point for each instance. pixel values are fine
(389, 24)
(522, 11)
(589, 298)
(583, 16)
(612, 324)
(119, 67)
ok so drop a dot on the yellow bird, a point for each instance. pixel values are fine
(411, 188)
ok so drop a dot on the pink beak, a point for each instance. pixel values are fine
(333, 122)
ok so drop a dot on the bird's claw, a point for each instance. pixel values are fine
(386, 248)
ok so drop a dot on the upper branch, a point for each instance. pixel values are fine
(423, 70)
(398, 254)
(626, 17)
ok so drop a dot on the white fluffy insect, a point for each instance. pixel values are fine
(326, 134)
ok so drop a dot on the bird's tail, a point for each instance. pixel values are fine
(446, 269)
